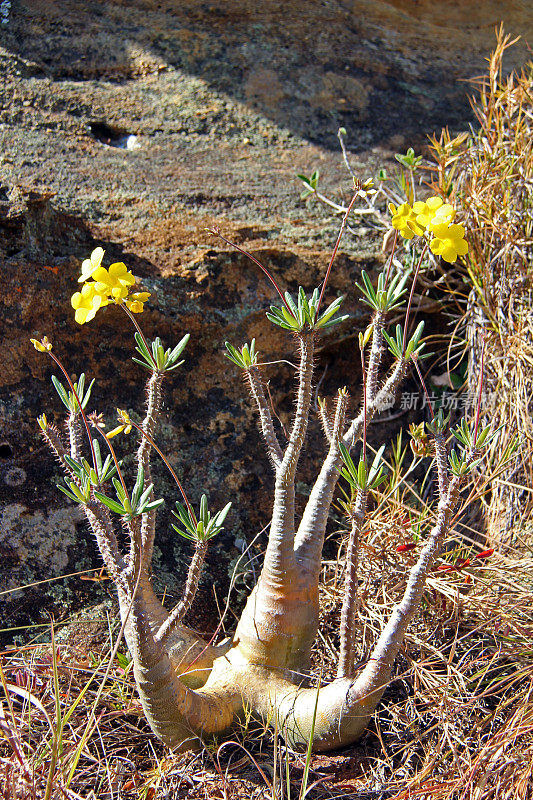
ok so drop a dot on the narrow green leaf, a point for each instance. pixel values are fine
(114, 506)
(60, 389)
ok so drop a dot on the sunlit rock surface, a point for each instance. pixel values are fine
(136, 126)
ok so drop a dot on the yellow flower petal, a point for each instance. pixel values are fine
(115, 431)
(136, 301)
(44, 346)
(405, 221)
(87, 302)
(90, 264)
(448, 242)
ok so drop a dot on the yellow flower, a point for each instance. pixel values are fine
(44, 346)
(136, 301)
(115, 432)
(87, 302)
(124, 418)
(404, 220)
(448, 242)
(114, 282)
(126, 424)
(443, 216)
(433, 211)
(90, 264)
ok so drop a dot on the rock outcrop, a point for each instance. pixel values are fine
(136, 126)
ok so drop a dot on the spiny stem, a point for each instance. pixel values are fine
(411, 293)
(422, 381)
(440, 439)
(191, 587)
(74, 392)
(169, 467)
(349, 605)
(153, 392)
(113, 455)
(269, 275)
(374, 360)
(265, 417)
(364, 401)
(337, 243)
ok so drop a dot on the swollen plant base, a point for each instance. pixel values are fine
(191, 690)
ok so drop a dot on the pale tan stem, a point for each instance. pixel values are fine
(190, 655)
(176, 714)
(267, 426)
(278, 615)
(441, 458)
(54, 441)
(346, 667)
(345, 706)
(379, 667)
(287, 469)
(134, 558)
(327, 426)
(388, 390)
(342, 712)
(279, 564)
(309, 538)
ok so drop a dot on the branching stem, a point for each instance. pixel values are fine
(346, 667)
(168, 466)
(189, 593)
(267, 426)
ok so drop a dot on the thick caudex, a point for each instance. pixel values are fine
(189, 688)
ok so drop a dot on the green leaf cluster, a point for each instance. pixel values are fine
(439, 425)
(130, 507)
(302, 313)
(244, 358)
(310, 184)
(78, 492)
(159, 359)
(362, 478)
(413, 346)
(472, 440)
(87, 476)
(97, 474)
(68, 398)
(383, 298)
(459, 464)
(203, 528)
(409, 160)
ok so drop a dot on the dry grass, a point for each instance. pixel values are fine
(488, 174)
(456, 721)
